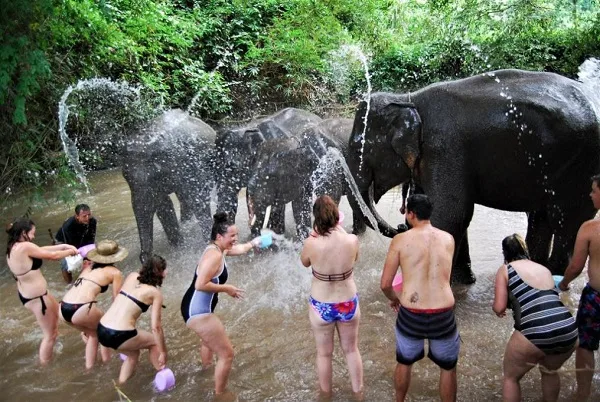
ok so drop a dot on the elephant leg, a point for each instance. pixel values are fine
(167, 217)
(143, 209)
(204, 218)
(358, 223)
(539, 236)
(301, 208)
(186, 210)
(566, 223)
(462, 272)
(197, 199)
(453, 215)
(277, 218)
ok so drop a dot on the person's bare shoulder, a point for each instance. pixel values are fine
(353, 238)
(590, 227)
(443, 234)
(399, 239)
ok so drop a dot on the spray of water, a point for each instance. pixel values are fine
(341, 74)
(589, 75)
(70, 146)
(328, 167)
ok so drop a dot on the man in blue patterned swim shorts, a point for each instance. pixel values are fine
(587, 244)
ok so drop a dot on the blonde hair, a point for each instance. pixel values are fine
(514, 248)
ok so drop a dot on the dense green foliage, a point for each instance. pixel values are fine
(241, 57)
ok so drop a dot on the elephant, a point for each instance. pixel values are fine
(237, 149)
(510, 139)
(292, 169)
(174, 153)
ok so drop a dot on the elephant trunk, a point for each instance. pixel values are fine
(384, 228)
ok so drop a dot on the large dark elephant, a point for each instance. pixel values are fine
(172, 154)
(510, 139)
(292, 169)
(237, 151)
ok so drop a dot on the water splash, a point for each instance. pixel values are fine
(341, 74)
(70, 146)
(589, 75)
(329, 167)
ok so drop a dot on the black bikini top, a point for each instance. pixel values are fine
(35, 265)
(333, 277)
(143, 306)
(78, 282)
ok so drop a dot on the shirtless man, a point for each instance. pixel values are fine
(426, 305)
(587, 244)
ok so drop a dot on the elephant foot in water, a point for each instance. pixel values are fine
(462, 275)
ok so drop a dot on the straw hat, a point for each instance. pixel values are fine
(107, 252)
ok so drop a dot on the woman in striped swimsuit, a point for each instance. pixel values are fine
(545, 331)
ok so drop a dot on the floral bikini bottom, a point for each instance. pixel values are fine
(331, 312)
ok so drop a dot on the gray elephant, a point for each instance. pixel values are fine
(172, 154)
(237, 151)
(292, 169)
(509, 139)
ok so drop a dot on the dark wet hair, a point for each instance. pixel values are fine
(15, 229)
(99, 264)
(420, 205)
(221, 223)
(151, 272)
(81, 207)
(514, 248)
(596, 179)
(326, 215)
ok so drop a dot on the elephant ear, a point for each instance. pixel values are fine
(316, 143)
(406, 130)
(253, 138)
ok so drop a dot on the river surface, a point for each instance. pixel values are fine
(270, 331)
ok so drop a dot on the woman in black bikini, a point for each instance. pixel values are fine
(24, 259)
(116, 329)
(78, 307)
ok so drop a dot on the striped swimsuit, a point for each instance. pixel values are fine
(540, 316)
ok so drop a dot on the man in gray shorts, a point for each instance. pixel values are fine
(426, 305)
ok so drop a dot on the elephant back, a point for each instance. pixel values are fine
(173, 139)
(295, 121)
(336, 131)
(173, 128)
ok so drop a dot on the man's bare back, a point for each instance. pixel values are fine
(424, 255)
(426, 305)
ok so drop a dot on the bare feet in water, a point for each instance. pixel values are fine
(226, 396)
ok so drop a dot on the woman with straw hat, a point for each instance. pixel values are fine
(116, 328)
(78, 308)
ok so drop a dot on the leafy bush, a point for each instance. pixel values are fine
(245, 57)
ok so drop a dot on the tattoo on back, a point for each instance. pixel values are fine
(414, 297)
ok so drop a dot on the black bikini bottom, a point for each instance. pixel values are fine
(25, 300)
(113, 338)
(69, 309)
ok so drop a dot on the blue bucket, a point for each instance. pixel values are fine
(557, 279)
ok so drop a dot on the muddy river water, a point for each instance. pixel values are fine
(275, 351)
